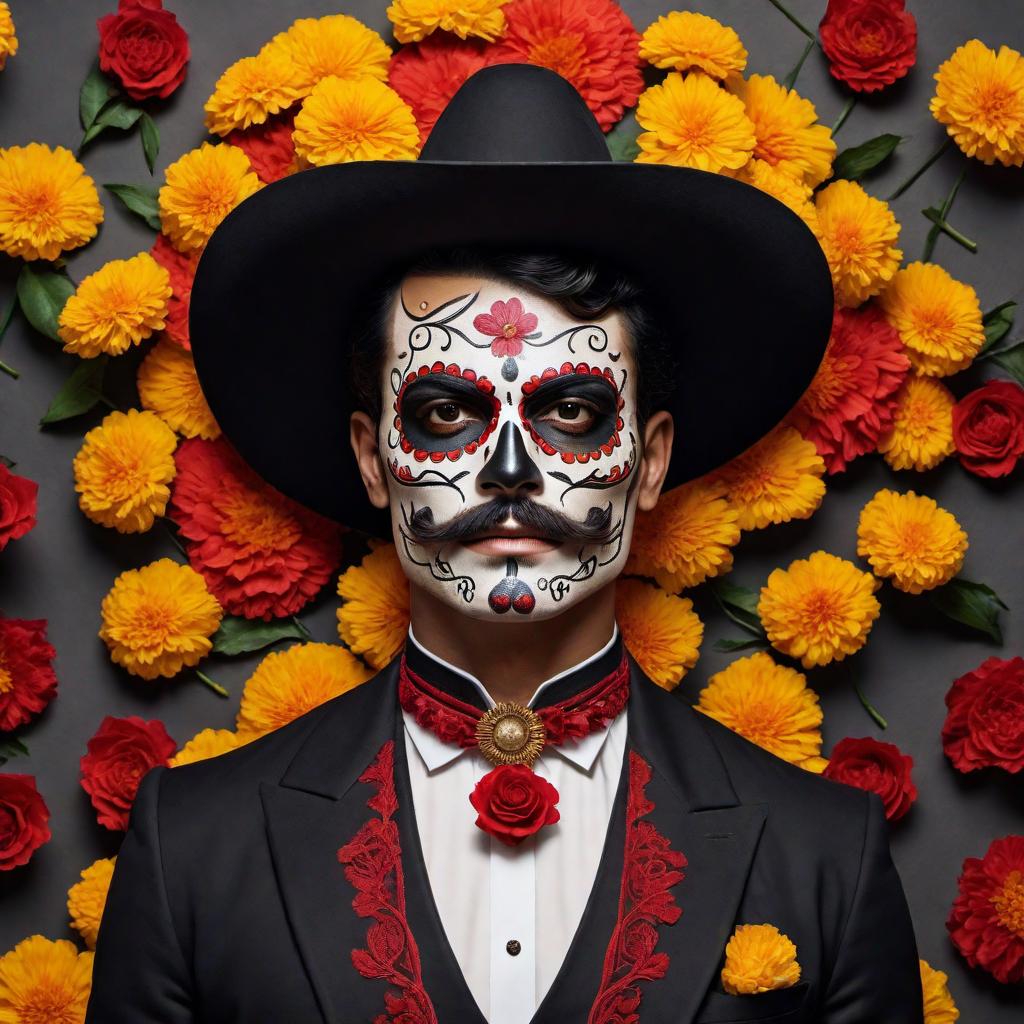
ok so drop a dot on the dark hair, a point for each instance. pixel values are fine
(585, 290)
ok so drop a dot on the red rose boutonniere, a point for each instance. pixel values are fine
(513, 802)
(869, 43)
(144, 48)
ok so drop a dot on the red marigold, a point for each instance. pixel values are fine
(427, 74)
(261, 554)
(27, 680)
(24, 819)
(119, 755)
(182, 268)
(869, 43)
(852, 399)
(18, 500)
(985, 724)
(592, 43)
(269, 146)
(985, 922)
(877, 767)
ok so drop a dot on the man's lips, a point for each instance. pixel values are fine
(503, 540)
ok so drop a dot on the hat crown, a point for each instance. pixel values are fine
(507, 113)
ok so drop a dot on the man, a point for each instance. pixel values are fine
(510, 823)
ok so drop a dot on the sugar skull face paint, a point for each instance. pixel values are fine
(510, 438)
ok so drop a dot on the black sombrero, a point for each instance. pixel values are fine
(516, 158)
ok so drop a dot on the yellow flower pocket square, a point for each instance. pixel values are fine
(759, 958)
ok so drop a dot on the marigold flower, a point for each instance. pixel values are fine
(269, 147)
(123, 469)
(939, 1007)
(693, 122)
(158, 620)
(921, 435)
(46, 980)
(288, 683)
(8, 40)
(820, 609)
(251, 90)
(758, 958)
(661, 630)
(181, 269)
(980, 99)
(788, 136)
(374, 618)
(355, 119)
(168, 385)
(790, 191)
(685, 39)
(771, 705)
(778, 479)
(27, 680)
(336, 44)
(86, 898)
(207, 743)
(202, 188)
(938, 318)
(591, 43)
(415, 19)
(686, 538)
(48, 204)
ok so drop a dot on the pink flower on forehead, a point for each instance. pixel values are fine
(507, 322)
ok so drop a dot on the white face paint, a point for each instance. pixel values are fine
(493, 394)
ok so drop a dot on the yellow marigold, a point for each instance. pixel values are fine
(374, 618)
(790, 191)
(938, 318)
(169, 386)
(251, 90)
(778, 479)
(980, 99)
(693, 122)
(288, 683)
(820, 609)
(48, 204)
(908, 538)
(116, 307)
(123, 469)
(202, 188)
(686, 538)
(415, 19)
(43, 980)
(858, 234)
(86, 899)
(770, 704)
(788, 136)
(207, 743)
(685, 39)
(939, 1007)
(661, 630)
(758, 958)
(921, 435)
(8, 40)
(336, 44)
(159, 619)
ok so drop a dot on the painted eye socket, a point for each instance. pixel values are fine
(446, 417)
(570, 415)
(439, 412)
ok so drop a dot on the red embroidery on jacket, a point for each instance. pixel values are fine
(373, 865)
(649, 869)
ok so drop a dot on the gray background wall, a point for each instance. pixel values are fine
(62, 569)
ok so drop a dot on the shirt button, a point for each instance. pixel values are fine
(513, 947)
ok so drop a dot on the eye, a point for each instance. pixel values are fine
(445, 416)
(570, 415)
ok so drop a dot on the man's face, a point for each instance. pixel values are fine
(510, 439)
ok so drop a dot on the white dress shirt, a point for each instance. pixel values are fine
(488, 893)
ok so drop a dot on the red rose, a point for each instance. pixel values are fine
(120, 754)
(985, 724)
(17, 505)
(144, 48)
(512, 802)
(869, 43)
(877, 767)
(27, 680)
(23, 820)
(988, 428)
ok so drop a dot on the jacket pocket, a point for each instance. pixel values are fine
(782, 1004)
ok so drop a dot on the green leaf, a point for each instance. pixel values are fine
(11, 747)
(240, 636)
(118, 113)
(973, 604)
(621, 140)
(1011, 360)
(740, 604)
(853, 164)
(42, 293)
(5, 320)
(739, 644)
(997, 323)
(81, 391)
(150, 140)
(97, 90)
(142, 200)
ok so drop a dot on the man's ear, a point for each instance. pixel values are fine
(654, 464)
(363, 437)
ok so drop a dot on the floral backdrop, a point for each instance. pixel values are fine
(844, 594)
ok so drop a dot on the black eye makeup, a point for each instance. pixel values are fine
(441, 413)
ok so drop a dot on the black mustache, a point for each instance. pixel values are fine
(597, 528)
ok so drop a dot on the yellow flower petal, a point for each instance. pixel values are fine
(43, 980)
(169, 386)
(374, 618)
(86, 900)
(758, 958)
(685, 39)
(921, 435)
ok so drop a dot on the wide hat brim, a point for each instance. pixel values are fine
(737, 280)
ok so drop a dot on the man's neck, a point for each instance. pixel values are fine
(513, 657)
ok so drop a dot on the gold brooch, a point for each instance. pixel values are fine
(510, 734)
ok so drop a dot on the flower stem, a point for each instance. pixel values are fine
(947, 229)
(935, 230)
(107, 402)
(790, 80)
(10, 370)
(844, 114)
(216, 687)
(777, 4)
(300, 625)
(917, 174)
(873, 712)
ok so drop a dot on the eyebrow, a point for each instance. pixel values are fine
(439, 385)
(575, 383)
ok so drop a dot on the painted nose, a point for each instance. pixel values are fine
(510, 468)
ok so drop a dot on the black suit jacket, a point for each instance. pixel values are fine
(228, 904)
